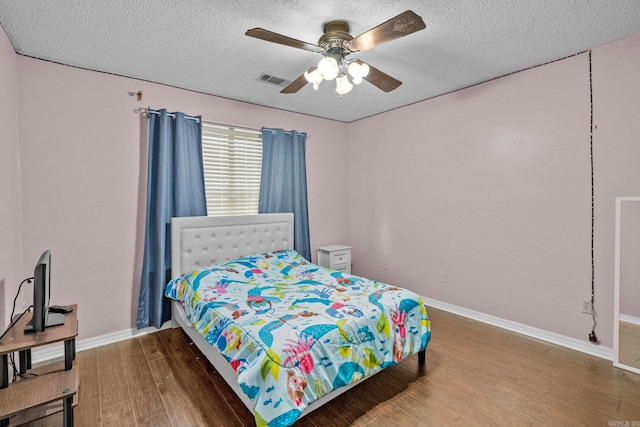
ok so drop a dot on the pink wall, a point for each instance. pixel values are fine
(492, 185)
(83, 179)
(616, 94)
(10, 266)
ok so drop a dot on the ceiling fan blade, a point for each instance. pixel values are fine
(270, 36)
(297, 84)
(402, 25)
(381, 80)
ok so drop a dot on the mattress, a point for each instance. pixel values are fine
(294, 331)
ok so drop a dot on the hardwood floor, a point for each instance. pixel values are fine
(476, 375)
(629, 344)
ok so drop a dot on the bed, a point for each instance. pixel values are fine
(285, 334)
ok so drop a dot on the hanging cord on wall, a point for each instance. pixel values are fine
(592, 336)
(13, 321)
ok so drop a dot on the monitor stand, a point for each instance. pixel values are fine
(53, 319)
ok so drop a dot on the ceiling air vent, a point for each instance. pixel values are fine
(277, 81)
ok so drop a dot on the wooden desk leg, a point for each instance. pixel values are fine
(67, 411)
(69, 353)
(4, 371)
(25, 360)
(22, 355)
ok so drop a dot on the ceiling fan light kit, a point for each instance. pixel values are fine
(343, 85)
(328, 67)
(358, 71)
(314, 77)
(336, 44)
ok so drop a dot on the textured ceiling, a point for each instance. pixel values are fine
(200, 45)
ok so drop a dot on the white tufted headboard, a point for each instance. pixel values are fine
(199, 241)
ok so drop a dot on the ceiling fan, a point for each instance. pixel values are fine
(336, 44)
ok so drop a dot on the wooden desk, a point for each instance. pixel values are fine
(54, 382)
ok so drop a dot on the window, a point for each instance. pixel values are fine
(232, 164)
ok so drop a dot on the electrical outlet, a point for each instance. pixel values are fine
(444, 277)
(586, 307)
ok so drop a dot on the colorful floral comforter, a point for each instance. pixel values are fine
(294, 331)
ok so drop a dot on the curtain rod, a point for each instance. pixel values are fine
(286, 132)
(150, 111)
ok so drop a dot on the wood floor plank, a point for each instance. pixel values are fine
(176, 399)
(153, 346)
(476, 374)
(118, 414)
(389, 415)
(304, 422)
(113, 383)
(200, 388)
(226, 399)
(629, 344)
(176, 340)
(360, 404)
(242, 412)
(87, 412)
(131, 347)
(327, 416)
(146, 401)
(429, 407)
(236, 404)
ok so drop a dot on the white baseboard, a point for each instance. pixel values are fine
(630, 319)
(54, 352)
(551, 337)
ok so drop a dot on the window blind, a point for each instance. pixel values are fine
(232, 164)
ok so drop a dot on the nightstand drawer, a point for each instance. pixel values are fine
(345, 268)
(341, 257)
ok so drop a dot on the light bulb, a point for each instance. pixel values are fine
(313, 77)
(328, 68)
(365, 69)
(358, 70)
(343, 85)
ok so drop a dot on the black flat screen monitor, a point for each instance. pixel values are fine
(41, 290)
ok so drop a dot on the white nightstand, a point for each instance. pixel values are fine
(337, 257)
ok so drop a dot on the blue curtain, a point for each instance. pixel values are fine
(175, 187)
(283, 182)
